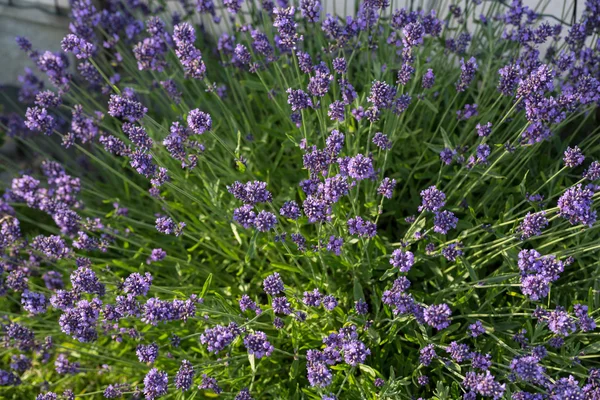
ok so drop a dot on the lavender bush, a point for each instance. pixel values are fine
(254, 200)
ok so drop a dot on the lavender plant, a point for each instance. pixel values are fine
(254, 200)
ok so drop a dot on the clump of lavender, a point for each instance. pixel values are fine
(316, 133)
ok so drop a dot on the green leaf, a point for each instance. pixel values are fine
(358, 290)
(206, 285)
(368, 370)
(447, 141)
(522, 185)
(430, 105)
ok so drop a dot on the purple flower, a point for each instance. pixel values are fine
(252, 192)
(560, 323)
(444, 221)
(361, 307)
(63, 366)
(360, 167)
(593, 171)
(348, 93)
(405, 74)
(527, 369)
(564, 388)
(48, 99)
(340, 65)
(199, 122)
(209, 383)
(381, 95)
(447, 155)
(219, 337)
(509, 79)
(413, 34)
(533, 224)
(172, 91)
(319, 375)
(244, 394)
(246, 303)
(586, 323)
(304, 62)
(316, 209)
(290, 210)
(298, 99)
(84, 280)
(337, 111)
(361, 227)
(382, 141)
(244, 215)
(355, 352)
(335, 245)
(312, 298)
(537, 83)
(38, 120)
(311, 10)
(53, 247)
(402, 259)
(452, 251)
(233, 6)
(46, 396)
(484, 130)
(273, 284)
(80, 322)
(167, 226)
(427, 354)
(467, 73)
(286, 27)
(318, 85)
(329, 302)
(458, 352)
(114, 145)
(241, 55)
(386, 187)
(80, 47)
(575, 205)
(401, 104)
(184, 379)
(476, 329)
(55, 66)
(428, 79)
(147, 353)
(24, 43)
(432, 199)
(438, 316)
(156, 255)
(138, 136)
(265, 221)
(281, 305)
(469, 111)
(573, 157)
(126, 108)
(35, 303)
(258, 345)
(137, 285)
(155, 384)
(481, 361)
(190, 57)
